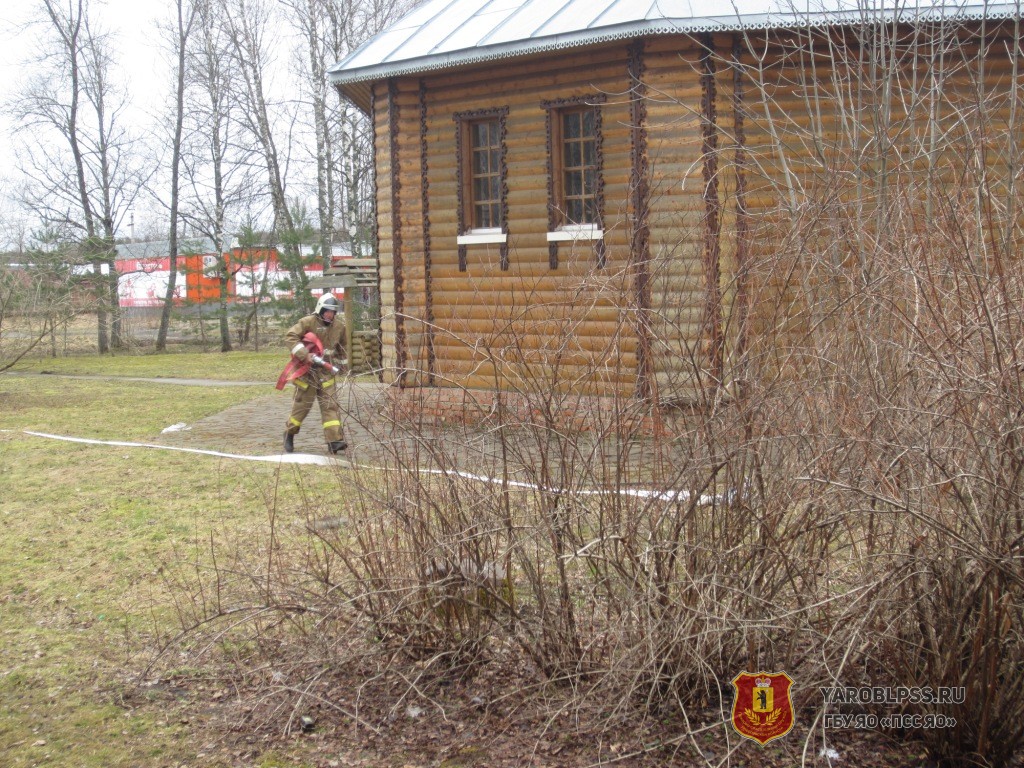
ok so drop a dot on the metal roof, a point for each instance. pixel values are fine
(446, 33)
(157, 249)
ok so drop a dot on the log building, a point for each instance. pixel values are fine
(620, 198)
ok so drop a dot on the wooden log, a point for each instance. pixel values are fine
(594, 347)
(464, 360)
(586, 68)
(480, 334)
(601, 322)
(520, 89)
(539, 379)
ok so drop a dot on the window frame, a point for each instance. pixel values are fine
(468, 235)
(560, 229)
(559, 144)
(471, 150)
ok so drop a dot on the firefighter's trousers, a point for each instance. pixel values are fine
(308, 389)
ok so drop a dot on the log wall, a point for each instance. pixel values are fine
(863, 149)
(734, 167)
(484, 325)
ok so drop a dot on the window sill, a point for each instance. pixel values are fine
(576, 232)
(482, 237)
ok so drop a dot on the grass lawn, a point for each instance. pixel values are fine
(222, 366)
(106, 552)
(87, 534)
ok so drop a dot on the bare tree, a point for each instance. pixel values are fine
(247, 23)
(83, 183)
(309, 17)
(36, 289)
(218, 169)
(343, 140)
(186, 15)
(349, 27)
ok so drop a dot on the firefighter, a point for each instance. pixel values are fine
(317, 383)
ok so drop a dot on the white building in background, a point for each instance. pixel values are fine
(144, 270)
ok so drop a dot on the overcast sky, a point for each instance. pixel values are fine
(143, 67)
(133, 22)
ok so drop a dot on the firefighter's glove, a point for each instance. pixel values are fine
(300, 353)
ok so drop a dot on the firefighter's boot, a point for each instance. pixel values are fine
(289, 442)
(337, 446)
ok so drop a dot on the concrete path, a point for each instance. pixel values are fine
(255, 427)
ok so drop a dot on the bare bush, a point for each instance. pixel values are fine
(845, 504)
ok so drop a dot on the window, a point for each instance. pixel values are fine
(575, 187)
(482, 181)
(578, 172)
(484, 198)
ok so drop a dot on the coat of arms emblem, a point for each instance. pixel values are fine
(762, 709)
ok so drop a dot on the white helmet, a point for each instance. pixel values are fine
(327, 302)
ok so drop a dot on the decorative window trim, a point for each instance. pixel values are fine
(397, 253)
(491, 235)
(741, 163)
(563, 232)
(640, 240)
(712, 209)
(428, 268)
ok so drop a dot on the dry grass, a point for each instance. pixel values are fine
(866, 469)
(88, 533)
(870, 443)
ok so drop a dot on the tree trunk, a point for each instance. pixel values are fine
(225, 330)
(318, 83)
(53, 335)
(247, 22)
(69, 30)
(181, 39)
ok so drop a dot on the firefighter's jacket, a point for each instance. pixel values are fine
(332, 336)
